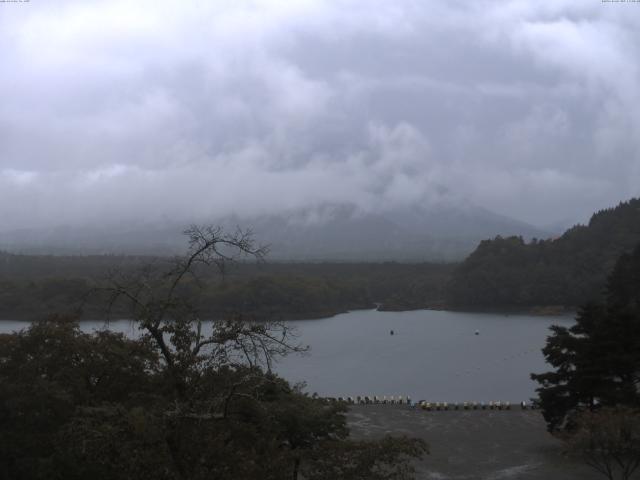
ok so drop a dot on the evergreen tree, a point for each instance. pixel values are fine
(596, 361)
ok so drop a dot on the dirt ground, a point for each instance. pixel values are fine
(474, 444)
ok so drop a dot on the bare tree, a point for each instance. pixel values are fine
(157, 298)
(608, 440)
(198, 403)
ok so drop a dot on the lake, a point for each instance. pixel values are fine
(432, 355)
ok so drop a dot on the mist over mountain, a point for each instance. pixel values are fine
(199, 109)
(328, 232)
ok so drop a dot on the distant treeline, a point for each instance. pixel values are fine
(33, 286)
(501, 273)
(567, 271)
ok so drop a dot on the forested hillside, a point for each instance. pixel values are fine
(506, 272)
(568, 271)
(32, 286)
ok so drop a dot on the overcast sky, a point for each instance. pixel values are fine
(135, 108)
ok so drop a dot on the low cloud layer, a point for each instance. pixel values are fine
(125, 110)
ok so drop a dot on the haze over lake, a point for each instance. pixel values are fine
(434, 355)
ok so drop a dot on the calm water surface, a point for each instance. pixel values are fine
(432, 355)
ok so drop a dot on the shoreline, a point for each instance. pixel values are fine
(538, 311)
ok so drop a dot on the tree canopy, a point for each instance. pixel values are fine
(181, 401)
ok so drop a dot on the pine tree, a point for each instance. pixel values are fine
(596, 361)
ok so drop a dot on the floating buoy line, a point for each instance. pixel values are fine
(429, 406)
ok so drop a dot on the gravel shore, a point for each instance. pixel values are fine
(474, 444)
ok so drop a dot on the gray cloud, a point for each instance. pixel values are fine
(123, 110)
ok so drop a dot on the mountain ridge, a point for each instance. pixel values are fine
(568, 270)
(329, 232)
